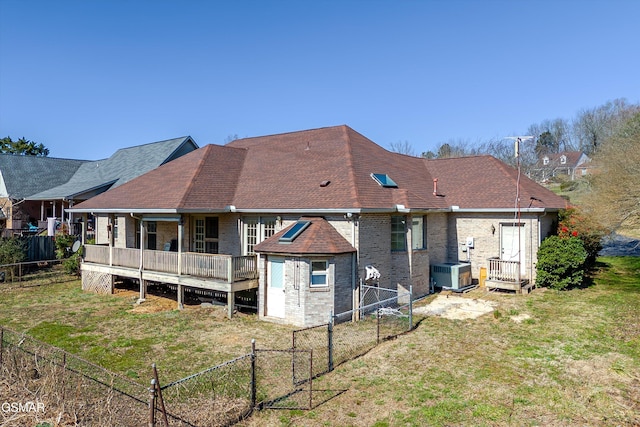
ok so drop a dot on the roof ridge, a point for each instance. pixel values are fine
(237, 181)
(183, 138)
(352, 177)
(288, 133)
(195, 172)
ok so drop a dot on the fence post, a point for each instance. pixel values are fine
(164, 411)
(410, 307)
(378, 325)
(330, 341)
(311, 379)
(64, 370)
(1, 344)
(253, 373)
(152, 403)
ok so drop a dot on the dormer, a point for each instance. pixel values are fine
(545, 160)
(563, 160)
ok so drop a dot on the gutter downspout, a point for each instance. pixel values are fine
(354, 273)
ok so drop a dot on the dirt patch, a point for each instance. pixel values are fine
(457, 307)
(520, 318)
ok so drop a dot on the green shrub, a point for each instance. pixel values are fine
(12, 251)
(574, 223)
(64, 242)
(561, 263)
(71, 265)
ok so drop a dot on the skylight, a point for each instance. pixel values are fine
(384, 180)
(294, 231)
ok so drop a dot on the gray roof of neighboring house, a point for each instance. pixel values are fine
(21, 176)
(124, 165)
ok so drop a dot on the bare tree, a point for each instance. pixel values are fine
(553, 136)
(230, 138)
(593, 126)
(402, 147)
(615, 192)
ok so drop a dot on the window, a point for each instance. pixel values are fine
(418, 233)
(545, 160)
(384, 180)
(206, 235)
(563, 160)
(115, 228)
(294, 231)
(398, 233)
(251, 235)
(256, 230)
(319, 274)
(150, 234)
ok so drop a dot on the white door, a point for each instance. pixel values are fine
(512, 242)
(275, 287)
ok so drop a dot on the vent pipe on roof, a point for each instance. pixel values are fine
(435, 186)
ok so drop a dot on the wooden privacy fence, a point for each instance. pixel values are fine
(40, 248)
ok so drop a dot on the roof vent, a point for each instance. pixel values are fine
(325, 183)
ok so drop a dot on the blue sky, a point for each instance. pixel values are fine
(88, 77)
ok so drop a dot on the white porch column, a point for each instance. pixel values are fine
(180, 236)
(110, 236)
(83, 232)
(143, 285)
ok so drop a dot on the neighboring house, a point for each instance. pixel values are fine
(573, 164)
(296, 217)
(33, 189)
(23, 176)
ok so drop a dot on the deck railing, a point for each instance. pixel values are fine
(504, 271)
(218, 266)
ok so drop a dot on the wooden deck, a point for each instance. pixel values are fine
(506, 275)
(217, 272)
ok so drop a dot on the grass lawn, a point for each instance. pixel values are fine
(544, 359)
(111, 331)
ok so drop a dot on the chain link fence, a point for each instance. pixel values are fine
(78, 392)
(383, 314)
(82, 393)
(218, 396)
(284, 379)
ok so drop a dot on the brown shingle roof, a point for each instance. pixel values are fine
(204, 179)
(484, 182)
(285, 172)
(318, 238)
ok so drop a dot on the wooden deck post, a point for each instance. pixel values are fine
(180, 297)
(231, 296)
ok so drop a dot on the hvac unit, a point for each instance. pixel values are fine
(451, 276)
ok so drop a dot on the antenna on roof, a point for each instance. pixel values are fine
(517, 141)
(308, 146)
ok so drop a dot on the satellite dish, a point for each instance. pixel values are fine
(76, 246)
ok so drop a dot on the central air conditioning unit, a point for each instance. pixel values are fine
(451, 275)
